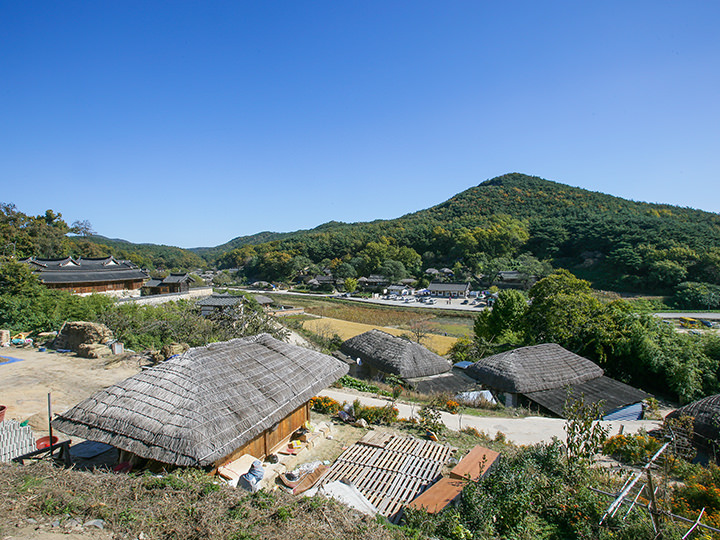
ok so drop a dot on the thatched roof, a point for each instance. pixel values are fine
(391, 354)
(705, 411)
(532, 369)
(199, 407)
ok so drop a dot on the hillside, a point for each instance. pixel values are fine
(614, 242)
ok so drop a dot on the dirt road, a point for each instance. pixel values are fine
(530, 430)
(25, 382)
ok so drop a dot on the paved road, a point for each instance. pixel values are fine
(693, 315)
(529, 430)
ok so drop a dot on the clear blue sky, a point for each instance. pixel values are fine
(191, 123)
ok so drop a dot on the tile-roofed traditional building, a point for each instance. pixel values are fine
(373, 282)
(218, 302)
(174, 283)
(88, 275)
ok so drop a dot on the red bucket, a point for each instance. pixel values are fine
(3, 408)
(44, 442)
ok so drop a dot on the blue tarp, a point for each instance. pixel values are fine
(631, 412)
(9, 360)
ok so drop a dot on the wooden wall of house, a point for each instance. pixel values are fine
(271, 439)
(96, 286)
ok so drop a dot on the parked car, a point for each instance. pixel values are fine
(464, 302)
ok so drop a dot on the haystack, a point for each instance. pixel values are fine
(76, 333)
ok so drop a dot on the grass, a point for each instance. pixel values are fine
(180, 506)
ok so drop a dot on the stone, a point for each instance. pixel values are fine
(98, 523)
(71, 523)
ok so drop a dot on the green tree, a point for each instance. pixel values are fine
(393, 270)
(504, 322)
(350, 284)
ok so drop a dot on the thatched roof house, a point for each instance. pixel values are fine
(706, 412)
(209, 405)
(384, 353)
(545, 374)
(531, 369)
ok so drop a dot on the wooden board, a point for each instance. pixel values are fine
(476, 464)
(390, 476)
(438, 496)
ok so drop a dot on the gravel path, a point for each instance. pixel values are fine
(529, 430)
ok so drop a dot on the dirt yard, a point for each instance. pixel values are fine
(24, 384)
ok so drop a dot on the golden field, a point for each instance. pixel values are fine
(346, 330)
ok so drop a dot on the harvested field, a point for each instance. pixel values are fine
(401, 317)
(345, 329)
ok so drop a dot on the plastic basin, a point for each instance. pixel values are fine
(44, 442)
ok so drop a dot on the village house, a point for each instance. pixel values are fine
(174, 283)
(218, 302)
(375, 354)
(374, 282)
(547, 374)
(400, 290)
(706, 429)
(85, 276)
(208, 406)
(449, 290)
(265, 301)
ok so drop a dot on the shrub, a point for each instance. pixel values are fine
(430, 417)
(452, 406)
(632, 449)
(701, 490)
(324, 405)
(375, 415)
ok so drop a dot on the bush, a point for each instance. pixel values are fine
(347, 381)
(324, 405)
(452, 406)
(375, 415)
(631, 449)
(701, 490)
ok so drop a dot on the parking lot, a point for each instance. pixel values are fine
(457, 304)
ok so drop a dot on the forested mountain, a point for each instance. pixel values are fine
(513, 221)
(240, 241)
(506, 222)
